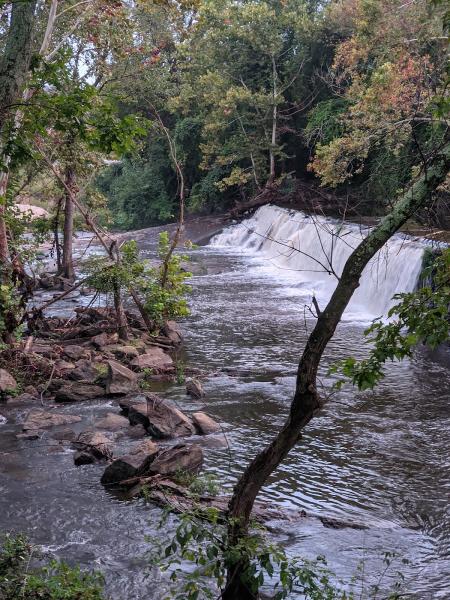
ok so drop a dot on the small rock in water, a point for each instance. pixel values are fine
(194, 388)
(204, 424)
(160, 418)
(131, 465)
(40, 419)
(179, 458)
(3, 420)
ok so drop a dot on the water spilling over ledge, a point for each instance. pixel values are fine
(312, 251)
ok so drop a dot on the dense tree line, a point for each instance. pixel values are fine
(260, 94)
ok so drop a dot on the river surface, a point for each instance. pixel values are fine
(379, 459)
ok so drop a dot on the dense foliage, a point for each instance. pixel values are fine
(23, 574)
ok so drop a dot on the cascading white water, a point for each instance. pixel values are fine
(313, 250)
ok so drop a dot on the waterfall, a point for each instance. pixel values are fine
(312, 250)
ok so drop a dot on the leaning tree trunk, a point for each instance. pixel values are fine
(306, 402)
(67, 271)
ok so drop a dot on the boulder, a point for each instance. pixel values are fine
(133, 464)
(84, 371)
(173, 332)
(154, 358)
(179, 458)
(83, 457)
(160, 419)
(76, 391)
(126, 353)
(194, 388)
(120, 380)
(46, 350)
(112, 422)
(7, 382)
(41, 419)
(96, 443)
(75, 352)
(63, 366)
(104, 339)
(204, 424)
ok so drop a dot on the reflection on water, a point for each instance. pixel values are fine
(379, 459)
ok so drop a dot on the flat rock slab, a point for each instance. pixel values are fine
(133, 464)
(155, 359)
(160, 419)
(41, 419)
(112, 422)
(76, 391)
(204, 424)
(120, 380)
(178, 459)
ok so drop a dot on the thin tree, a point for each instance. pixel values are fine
(306, 402)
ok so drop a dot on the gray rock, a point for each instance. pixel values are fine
(77, 391)
(173, 332)
(204, 424)
(75, 352)
(84, 370)
(83, 457)
(96, 443)
(104, 339)
(160, 419)
(7, 382)
(120, 380)
(41, 419)
(194, 388)
(155, 359)
(133, 464)
(126, 353)
(112, 422)
(179, 458)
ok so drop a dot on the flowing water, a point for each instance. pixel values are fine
(376, 459)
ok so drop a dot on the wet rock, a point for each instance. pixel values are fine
(204, 424)
(133, 464)
(125, 404)
(179, 458)
(112, 422)
(3, 420)
(120, 380)
(41, 419)
(75, 352)
(77, 391)
(96, 443)
(154, 358)
(83, 457)
(7, 382)
(194, 388)
(172, 331)
(160, 419)
(33, 434)
(136, 431)
(65, 435)
(23, 399)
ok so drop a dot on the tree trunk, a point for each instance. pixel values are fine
(14, 65)
(56, 242)
(122, 322)
(307, 403)
(68, 271)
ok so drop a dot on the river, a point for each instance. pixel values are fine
(378, 459)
